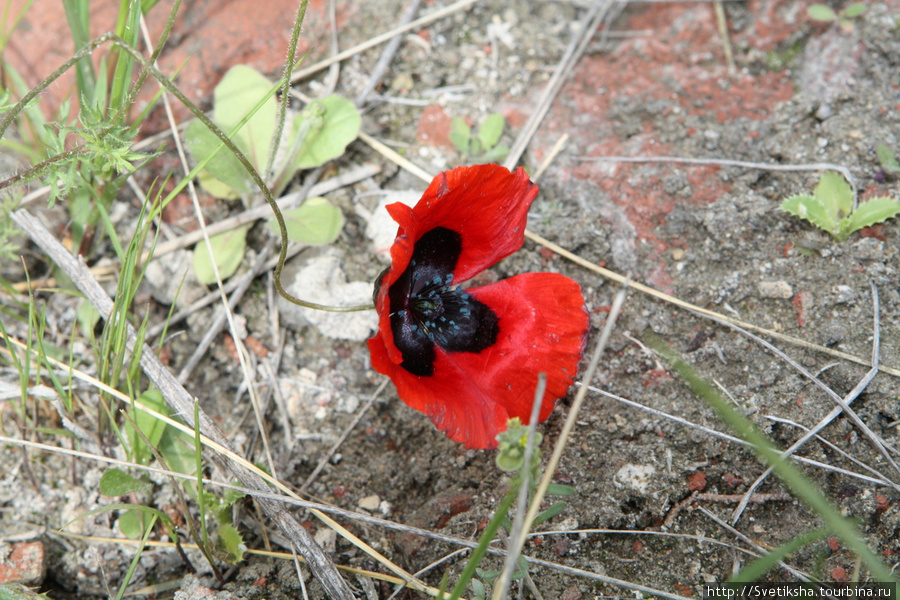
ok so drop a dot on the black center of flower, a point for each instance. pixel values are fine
(426, 310)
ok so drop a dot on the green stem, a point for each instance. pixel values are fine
(486, 538)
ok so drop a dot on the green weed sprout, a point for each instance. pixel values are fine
(482, 146)
(826, 14)
(830, 207)
(887, 159)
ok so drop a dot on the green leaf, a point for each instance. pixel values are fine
(558, 489)
(887, 158)
(87, 317)
(491, 130)
(116, 482)
(131, 524)
(807, 207)
(150, 426)
(854, 10)
(478, 590)
(340, 123)
(178, 450)
(820, 12)
(315, 222)
(228, 249)
(217, 188)
(555, 509)
(835, 194)
(460, 134)
(873, 211)
(224, 166)
(17, 591)
(235, 96)
(496, 154)
(232, 542)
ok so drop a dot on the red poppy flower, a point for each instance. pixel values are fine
(469, 358)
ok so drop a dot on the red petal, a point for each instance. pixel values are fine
(471, 395)
(486, 204)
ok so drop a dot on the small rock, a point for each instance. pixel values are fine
(843, 294)
(22, 562)
(634, 477)
(327, 539)
(321, 280)
(164, 275)
(775, 289)
(370, 503)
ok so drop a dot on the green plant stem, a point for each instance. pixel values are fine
(224, 139)
(486, 538)
(286, 90)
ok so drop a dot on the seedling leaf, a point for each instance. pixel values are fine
(232, 542)
(887, 158)
(871, 212)
(835, 195)
(854, 10)
(555, 509)
(809, 208)
(820, 12)
(491, 130)
(227, 248)
(316, 222)
(460, 134)
(116, 482)
(558, 489)
(328, 139)
(131, 524)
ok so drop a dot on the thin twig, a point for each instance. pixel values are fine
(589, 24)
(183, 404)
(380, 39)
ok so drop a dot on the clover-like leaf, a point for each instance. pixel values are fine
(228, 249)
(337, 123)
(315, 222)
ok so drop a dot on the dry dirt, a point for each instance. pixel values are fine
(800, 93)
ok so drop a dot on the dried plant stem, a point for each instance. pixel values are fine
(183, 404)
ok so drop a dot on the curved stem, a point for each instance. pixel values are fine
(224, 139)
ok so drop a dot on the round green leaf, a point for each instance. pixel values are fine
(854, 10)
(227, 248)
(327, 140)
(116, 482)
(820, 12)
(224, 166)
(316, 222)
(235, 96)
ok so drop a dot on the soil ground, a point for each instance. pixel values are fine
(800, 92)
